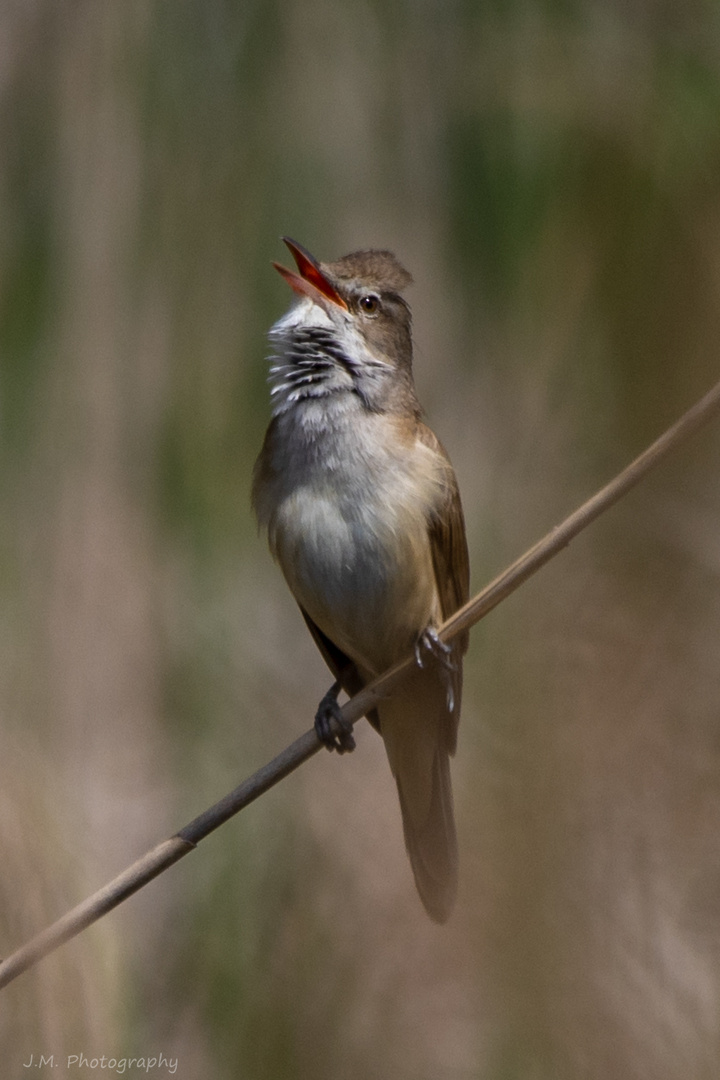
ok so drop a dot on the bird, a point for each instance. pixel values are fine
(364, 517)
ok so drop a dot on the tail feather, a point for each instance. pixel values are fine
(432, 844)
(415, 727)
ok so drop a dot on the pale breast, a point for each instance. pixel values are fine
(352, 541)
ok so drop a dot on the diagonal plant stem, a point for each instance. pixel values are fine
(170, 851)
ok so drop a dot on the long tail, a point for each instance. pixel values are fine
(432, 845)
(415, 727)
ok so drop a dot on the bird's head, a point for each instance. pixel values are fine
(351, 329)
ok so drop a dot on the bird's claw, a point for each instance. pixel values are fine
(430, 644)
(331, 728)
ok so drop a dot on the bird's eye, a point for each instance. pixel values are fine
(369, 303)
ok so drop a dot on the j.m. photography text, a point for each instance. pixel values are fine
(119, 1065)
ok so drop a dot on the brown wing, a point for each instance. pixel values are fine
(449, 544)
(342, 667)
(452, 565)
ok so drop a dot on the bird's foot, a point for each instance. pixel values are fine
(429, 644)
(331, 728)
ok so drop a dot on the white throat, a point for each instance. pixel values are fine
(319, 356)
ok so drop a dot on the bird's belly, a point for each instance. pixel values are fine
(365, 576)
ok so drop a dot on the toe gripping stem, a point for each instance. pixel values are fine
(331, 728)
(429, 644)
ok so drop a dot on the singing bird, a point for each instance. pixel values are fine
(364, 518)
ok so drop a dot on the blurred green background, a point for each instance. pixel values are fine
(550, 173)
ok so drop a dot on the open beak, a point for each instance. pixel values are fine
(310, 281)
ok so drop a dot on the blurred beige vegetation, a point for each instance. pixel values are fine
(550, 172)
